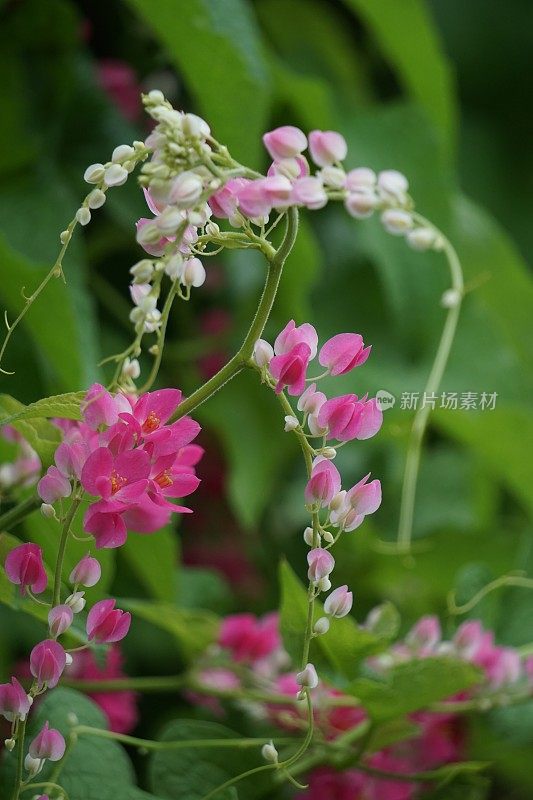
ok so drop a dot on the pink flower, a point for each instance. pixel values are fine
(151, 244)
(224, 203)
(425, 635)
(24, 567)
(324, 483)
(326, 783)
(107, 527)
(278, 189)
(248, 638)
(327, 147)
(290, 369)
(339, 603)
(285, 142)
(70, 459)
(60, 619)
(14, 702)
(120, 82)
(321, 564)
(47, 662)
(311, 401)
(254, 200)
(99, 407)
(291, 168)
(343, 352)
(106, 624)
(309, 192)
(291, 335)
(346, 418)
(364, 498)
(120, 480)
(153, 409)
(87, 572)
(120, 708)
(468, 638)
(48, 744)
(53, 485)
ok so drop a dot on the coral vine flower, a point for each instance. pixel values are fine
(47, 662)
(343, 352)
(291, 335)
(24, 566)
(120, 480)
(53, 485)
(347, 418)
(14, 702)
(48, 744)
(285, 142)
(324, 483)
(290, 369)
(248, 638)
(106, 623)
(321, 564)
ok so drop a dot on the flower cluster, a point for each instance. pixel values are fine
(250, 655)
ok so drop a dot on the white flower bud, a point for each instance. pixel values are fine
(324, 585)
(212, 229)
(148, 234)
(48, 511)
(115, 175)
(263, 353)
(94, 173)
(68, 660)
(392, 183)
(360, 179)
(307, 678)
(9, 744)
(328, 537)
(64, 237)
(83, 215)
(421, 238)
(33, 765)
(195, 127)
(142, 271)
(199, 217)
(333, 177)
(174, 267)
(131, 368)
(291, 423)
(329, 453)
(186, 190)
(269, 752)
(169, 220)
(96, 199)
(396, 221)
(122, 153)
(156, 96)
(308, 536)
(147, 304)
(193, 272)
(321, 626)
(361, 204)
(76, 601)
(451, 298)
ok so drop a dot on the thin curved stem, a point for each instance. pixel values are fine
(150, 744)
(503, 580)
(56, 598)
(239, 360)
(412, 464)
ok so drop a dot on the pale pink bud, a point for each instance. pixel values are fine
(87, 572)
(193, 272)
(343, 352)
(53, 485)
(47, 662)
(321, 626)
(396, 221)
(24, 567)
(360, 179)
(307, 678)
(60, 619)
(425, 635)
(278, 190)
(311, 401)
(327, 147)
(309, 192)
(339, 603)
(285, 142)
(468, 638)
(291, 168)
(106, 623)
(14, 702)
(361, 204)
(263, 353)
(324, 483)
(49, 744)
(254, 200)
(334, 177)
(421, 238)
(186, 190)
(321, 564)
(292, 335)
(99, 407)
(393, 184)
(70, 459)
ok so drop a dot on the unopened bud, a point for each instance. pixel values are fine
(83, 215)
(291, 423)
(94, 173)
(33, 765)
(321, 626)
(307, 678)
(329, 452)
(76, 601)
(263, 353)
(269, 752)
(122, 152)
(308, 536)
(328, 537)
(64, 237)
(193, 272)
(174, 267)
(48, 511)
(96, 199)
(115, 175)
(68, 660)
(396, 221)
(10, 744)
(421, 238)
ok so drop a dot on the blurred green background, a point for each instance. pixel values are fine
(436, 89)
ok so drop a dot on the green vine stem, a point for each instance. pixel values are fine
(276, 262)
(412, 464)
(21, 735)
(75, 504)
(149, 744)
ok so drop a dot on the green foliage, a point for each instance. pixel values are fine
(154, 560)
(189, 773)
(64, 406)
(41, 434)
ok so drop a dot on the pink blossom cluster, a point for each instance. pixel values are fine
(126, 456)
(25, 469)
(342, 418)
(255, 643)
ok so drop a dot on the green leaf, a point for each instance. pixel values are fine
(64, 406)
(234, 73)
(344, 646)
(40, 434)
(193, 630)
(95, 768)
(409, 40)
(154, 560)
(190, 773)
(412, 686)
